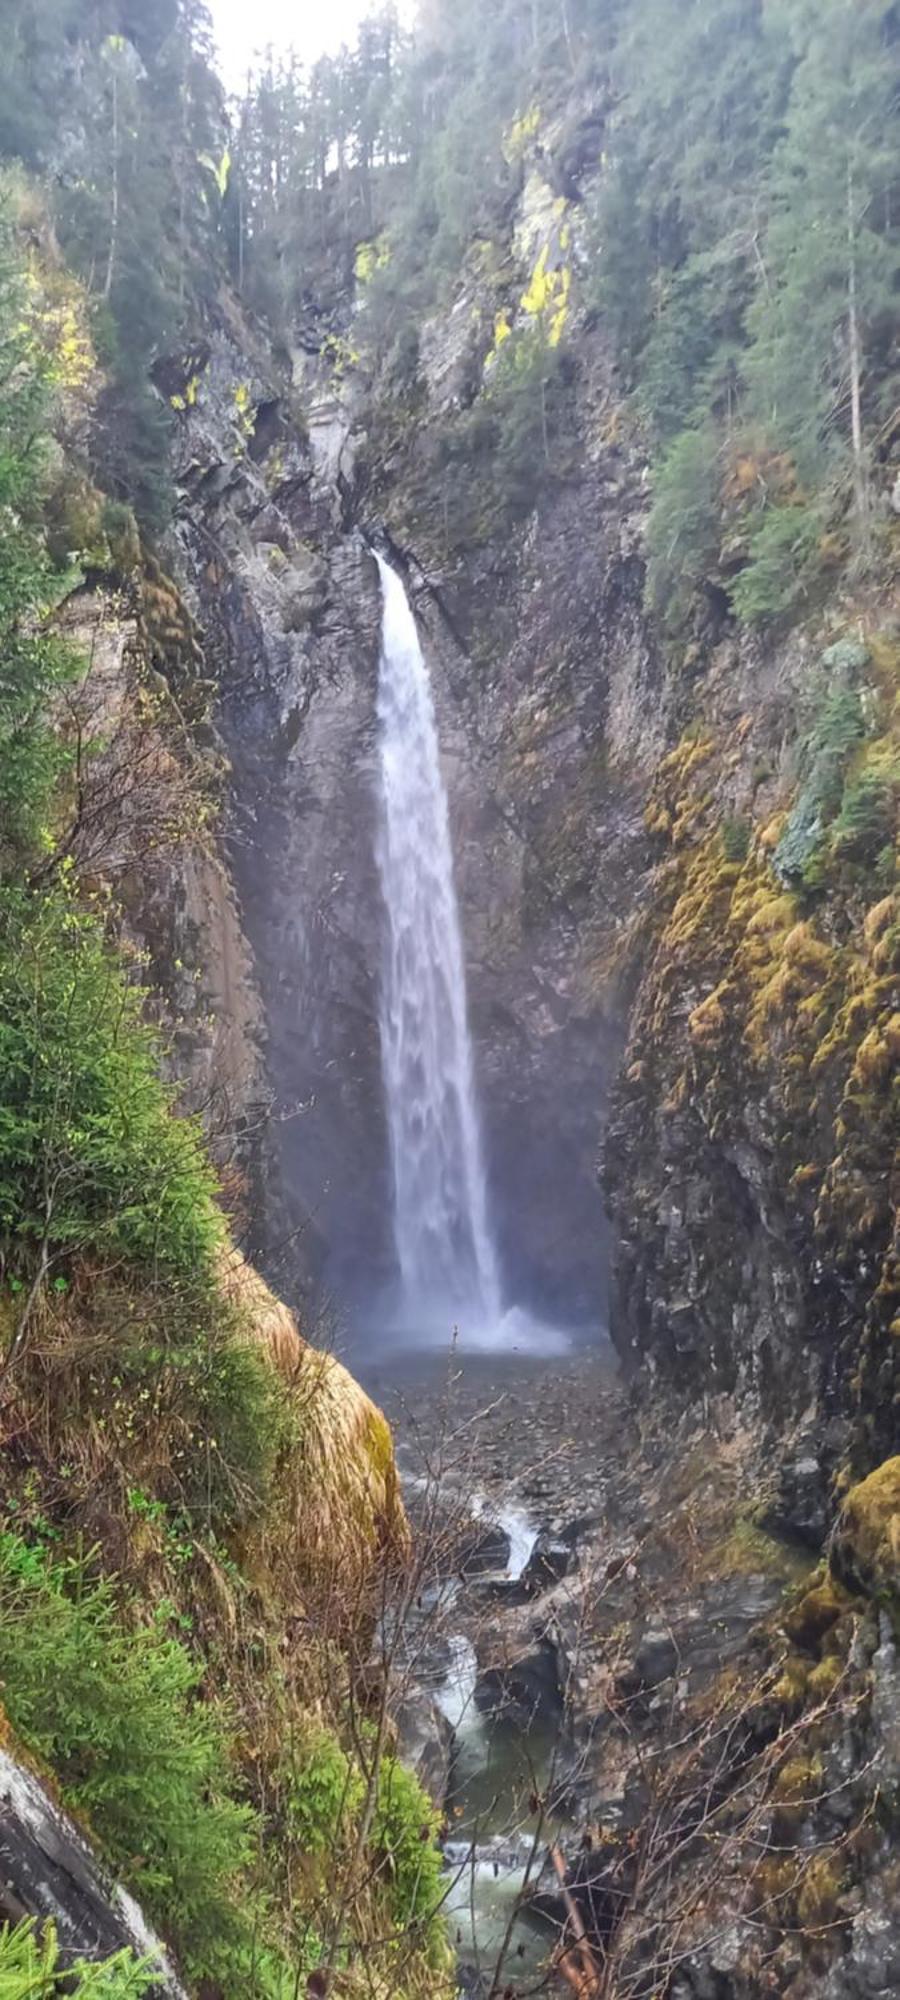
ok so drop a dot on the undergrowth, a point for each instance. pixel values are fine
(115, 1712)
(90, 1156)
(31, 1969)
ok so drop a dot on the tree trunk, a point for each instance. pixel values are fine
(114, 214)
(860, 482)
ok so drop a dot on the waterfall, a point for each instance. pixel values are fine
(443, 1240)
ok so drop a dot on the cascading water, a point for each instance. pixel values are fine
(444, 1247)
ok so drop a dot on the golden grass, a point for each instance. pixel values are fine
(338, 1514)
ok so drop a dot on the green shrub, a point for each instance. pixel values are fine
(683, 528)
(735, 838)
(91, 1156)
(783, 564)
(404, 1833)
(30, 1969)
(325, 1796)
(867, 818)
(835, 735)
(116, 1715)
(33, 662)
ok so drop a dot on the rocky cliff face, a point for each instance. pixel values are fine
(656, 911)
(546, 682)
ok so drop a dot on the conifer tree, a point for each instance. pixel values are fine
(832, 250)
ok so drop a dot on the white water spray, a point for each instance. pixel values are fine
(443, 1239)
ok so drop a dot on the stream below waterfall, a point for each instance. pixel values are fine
(513, 1441)
(497, 1844)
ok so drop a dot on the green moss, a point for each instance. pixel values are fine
(866, 1552)
(819, 1890)
(750, 1550)
(815, 1614)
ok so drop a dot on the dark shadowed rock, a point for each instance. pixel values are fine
(48, 1871)
(484, 1550)
(520, 1678)
(549, 1563)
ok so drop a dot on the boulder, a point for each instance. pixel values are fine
(425, 1743)
(550, 1562)
(800, 1509)
(485, 1549)
(656, 1657)
(519, 1674)
(48, 1871)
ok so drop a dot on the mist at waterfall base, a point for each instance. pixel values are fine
(449, 1284)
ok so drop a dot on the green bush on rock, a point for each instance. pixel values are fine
(91, 1158)
(115, 1712)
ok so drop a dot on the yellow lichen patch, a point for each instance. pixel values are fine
(521, 132)
(340, 355)
(672, 800)
(816, 1613)
(877, 1054)
(825, 1678)
(546, 296)
(803, 965)
(370, 257)
(867, 1542)
(882, 934)
(770, 834)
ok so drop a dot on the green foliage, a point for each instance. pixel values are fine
(736, 839)
(783, 564)
(683, 529)
(831, 742)
(746, 253)
(831, 228)
(33, 663)
(91, 1155)
(31, 1969)
(136, 207)
(115, 1713)
(404, 1832)
(324, 1796)
(866, 822)
(526, 400)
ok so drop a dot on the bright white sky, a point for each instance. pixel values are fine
(313, 27)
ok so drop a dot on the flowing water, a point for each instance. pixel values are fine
(497, 1850)
(448, 1265)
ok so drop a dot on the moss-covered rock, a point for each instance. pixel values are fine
(866, 1549)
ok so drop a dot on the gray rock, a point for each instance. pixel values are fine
(801, 1508)
(48, 1871)
(656, 1657)
(522, 1682)
(425, 1743)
